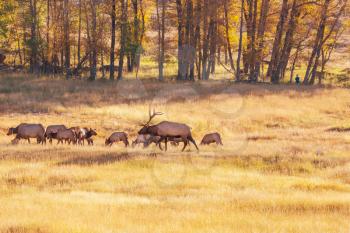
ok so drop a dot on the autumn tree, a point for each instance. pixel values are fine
(72, 37)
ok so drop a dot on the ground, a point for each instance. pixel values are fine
(284, 166)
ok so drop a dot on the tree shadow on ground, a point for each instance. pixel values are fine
(104, 159)
(22, 95)
(23, 229)
(338, 130)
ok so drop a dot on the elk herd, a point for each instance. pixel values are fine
(163, 132)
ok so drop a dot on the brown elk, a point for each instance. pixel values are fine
(167, 129)
(117, 137)
(86, 134)
(52, 130)
(27, 131)
(14, 130)
(212, 138)
(146, 140)
(67, 135)
(141, 139)
(76, 130)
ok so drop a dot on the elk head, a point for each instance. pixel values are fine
(146, 127)
(92, 132)
(11, 131)
(107, 142)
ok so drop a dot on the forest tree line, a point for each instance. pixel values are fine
(252, 39)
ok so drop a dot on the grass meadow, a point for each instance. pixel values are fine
(284, 166)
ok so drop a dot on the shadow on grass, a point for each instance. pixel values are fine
(338, 130)
(22, 95)
(104, 159)
(23, 229)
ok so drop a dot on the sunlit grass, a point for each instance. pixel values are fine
(279, 170)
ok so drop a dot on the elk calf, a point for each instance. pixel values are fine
(117, 137)
(212, 138)
(146, 140)
(86, 134)
(175, 141)
(76, 131)
(141, 139)
(52, 130)
(153, 139)
(66, 135)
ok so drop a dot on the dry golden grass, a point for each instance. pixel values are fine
(280, 169)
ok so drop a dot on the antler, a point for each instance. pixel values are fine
(153, 115)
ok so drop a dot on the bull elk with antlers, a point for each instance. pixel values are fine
(167, 129)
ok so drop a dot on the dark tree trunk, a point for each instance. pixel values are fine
(198, 38)
(252, 51)
(296, 56)
(19, 50)
(93, 68)
(112, 50)
(206, 37)
(129, 61)
(238, 71)
(34, 64)
(102, 64)
(24, 39)
(260, 37)
(88, 35)
(213, 44)
(192, 39)
(228, 43)
(275, 56)
(79, 32)
(161, 38)
(48, 32)
(209, 39)
(162, 55)
(141, 25)
(180, 75)
(66, 38)
(288, 41)
(123, 29)
(318, 40)
(226, 54)
(136, 39)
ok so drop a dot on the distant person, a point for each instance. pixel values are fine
(297, 80)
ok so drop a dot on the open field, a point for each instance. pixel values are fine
(284, 166)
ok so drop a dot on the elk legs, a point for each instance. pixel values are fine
(185, 144)
(193, 141)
